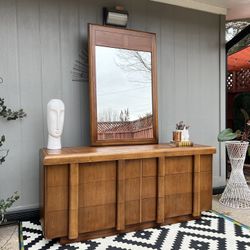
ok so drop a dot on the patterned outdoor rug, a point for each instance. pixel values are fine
(212, 232)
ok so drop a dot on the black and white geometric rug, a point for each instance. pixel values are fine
(212, 232)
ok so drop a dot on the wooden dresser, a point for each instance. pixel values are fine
(90, 192)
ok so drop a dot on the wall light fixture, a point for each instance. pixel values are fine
(116, 16)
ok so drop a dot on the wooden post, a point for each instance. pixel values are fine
(73, 200)
(197, 191)
(120, 224)
(161, 190)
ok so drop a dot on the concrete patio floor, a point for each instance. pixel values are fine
(9, 239)
(240, 215)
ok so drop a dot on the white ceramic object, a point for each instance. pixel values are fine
(55, 121)
(237, 192)
(185, 134)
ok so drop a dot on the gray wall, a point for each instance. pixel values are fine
(40, 41)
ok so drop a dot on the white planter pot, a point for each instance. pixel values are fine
(237, 192)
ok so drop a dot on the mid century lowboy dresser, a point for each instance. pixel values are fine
(90, 192)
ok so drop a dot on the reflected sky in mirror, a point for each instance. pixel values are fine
(123, 84)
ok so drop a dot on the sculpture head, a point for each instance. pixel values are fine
(55, 117)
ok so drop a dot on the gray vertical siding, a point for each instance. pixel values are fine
(39, 43)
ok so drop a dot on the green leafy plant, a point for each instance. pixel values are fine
(5, 204)
(228, 134)
(8, 114)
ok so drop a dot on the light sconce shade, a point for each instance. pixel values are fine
(117, 16)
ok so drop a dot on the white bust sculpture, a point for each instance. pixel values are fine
(55, 121)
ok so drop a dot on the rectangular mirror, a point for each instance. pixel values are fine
(122, 88)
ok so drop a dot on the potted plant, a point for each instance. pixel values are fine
(238, 137)
(228, 134)
(181, 132)
(237, 192)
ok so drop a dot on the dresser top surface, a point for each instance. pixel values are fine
(94, 154)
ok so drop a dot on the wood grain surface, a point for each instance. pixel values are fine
(92, 192)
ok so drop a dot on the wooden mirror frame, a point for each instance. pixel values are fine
(122, 39)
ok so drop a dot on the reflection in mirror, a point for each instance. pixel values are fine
(123, 94)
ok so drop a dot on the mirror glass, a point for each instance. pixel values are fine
(123, 94)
